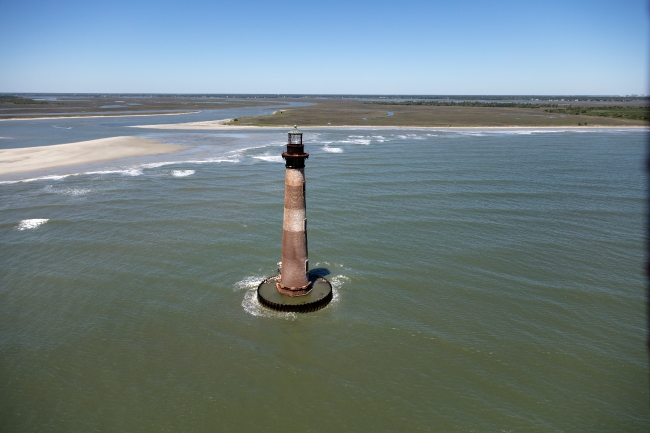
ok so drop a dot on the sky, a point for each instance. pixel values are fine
(460, 47)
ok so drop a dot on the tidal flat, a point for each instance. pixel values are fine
(35, 106)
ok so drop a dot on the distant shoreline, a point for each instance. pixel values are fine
(467, 112)
(97, 115)
(216, 125)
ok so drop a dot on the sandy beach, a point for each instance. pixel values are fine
(21, 160)
(201, 126)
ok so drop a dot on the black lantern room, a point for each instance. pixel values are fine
(295, 155)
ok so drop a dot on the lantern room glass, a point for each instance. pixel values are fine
(295, 137)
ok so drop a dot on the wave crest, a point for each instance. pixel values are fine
(182, 173)
(31, 223)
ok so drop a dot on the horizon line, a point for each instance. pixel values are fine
(447, 95)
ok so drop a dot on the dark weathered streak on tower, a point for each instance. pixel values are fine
(294, 280)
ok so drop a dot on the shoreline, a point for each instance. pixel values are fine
(215, 125)
(31, 159)
(98, 115)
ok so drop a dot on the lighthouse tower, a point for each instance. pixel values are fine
(294, 280)
(295, 289)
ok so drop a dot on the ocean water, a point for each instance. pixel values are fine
(484, 281)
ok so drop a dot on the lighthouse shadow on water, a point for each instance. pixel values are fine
(295, 289)
(319, 272)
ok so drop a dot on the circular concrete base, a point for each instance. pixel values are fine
(319, 296)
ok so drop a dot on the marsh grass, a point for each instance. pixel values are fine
(342, 112)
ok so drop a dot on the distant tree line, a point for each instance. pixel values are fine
(541, 98)
(468, 104)
(616, 111)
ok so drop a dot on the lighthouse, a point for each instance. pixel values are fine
(295, 289)
(294, 280)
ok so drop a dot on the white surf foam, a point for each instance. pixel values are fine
(411, 137)
(248, 283)
(73, 191)
(206, 160)
(31, 224)
(333, 149)
(157, 164)
(337, 282)
(270, 158)
(264, 146)
(252, 306)
(66, 191)
(209, 160)
(515, 131)
(34, 179)
(182, 173)
(125, 172)
(473, 134)
(364, 141)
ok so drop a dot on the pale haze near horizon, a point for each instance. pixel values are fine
(328, 47)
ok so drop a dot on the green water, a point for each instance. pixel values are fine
(484, 281)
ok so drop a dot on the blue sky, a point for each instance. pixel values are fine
(353, 47)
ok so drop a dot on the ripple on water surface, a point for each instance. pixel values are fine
(490, 283)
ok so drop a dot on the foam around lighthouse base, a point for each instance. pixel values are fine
(318, 297)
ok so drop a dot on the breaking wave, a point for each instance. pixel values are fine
(357, 140)
(182, 173)
(270, 158)
(135, 171)
(126, 172)
(31, 223)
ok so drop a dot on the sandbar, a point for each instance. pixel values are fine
(21, 160)
(202, 126)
